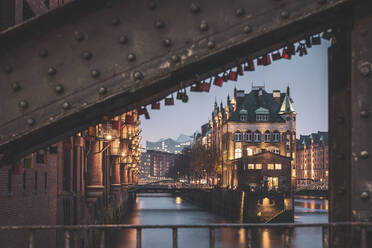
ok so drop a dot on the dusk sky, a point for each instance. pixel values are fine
(307, 77)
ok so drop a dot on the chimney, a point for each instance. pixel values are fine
(259, 95)
(276, 96)
(288, 91)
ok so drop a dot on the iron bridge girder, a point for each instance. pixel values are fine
(63, 70)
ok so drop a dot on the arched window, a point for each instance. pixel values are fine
(276, 136)
(237, 136)
(257, 136)
(267, 136)
(248, 136)
(238, 153)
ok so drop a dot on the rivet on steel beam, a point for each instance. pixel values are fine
(43, 52)
(79, 36)
(23, 104)
(364, 113)
(247, 29)
(115, 21)
(87, 55)
(59, 88)
(102, 91)
(365, 69)
(176, 58)
(284, 14)
(159, 24)
(240, 12)
(138, 75)
(52, 71)
(95, 73)
(16, 86)
(364, 154)
(195, 7)
(30, 121)
(167, 42)
(340, 156)
(8, 69)
(131, 57)
(364, 195)
(322, 1)
(123, 39)
(203, 26)
(211, 44)
(51, 118)
(66, 106)
(152, 5)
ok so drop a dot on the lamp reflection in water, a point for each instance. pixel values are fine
(178, 200)
(265, 239)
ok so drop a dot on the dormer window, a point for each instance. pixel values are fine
(262, 117)
(243, 115)
(262, 114)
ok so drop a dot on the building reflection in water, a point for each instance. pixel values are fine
(265, 241)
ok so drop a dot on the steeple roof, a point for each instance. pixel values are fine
(287, 107)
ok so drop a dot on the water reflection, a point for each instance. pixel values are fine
(166, 209)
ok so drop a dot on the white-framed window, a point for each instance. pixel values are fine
(248, 136)
(257, 136)
(238, 153)
(238, 136)
(262, 117)
(270, 166)
(278, 166)
(258, 166)
(267, 136)
(250, 166)
(249, 151)
(243, 117)
(276, 136)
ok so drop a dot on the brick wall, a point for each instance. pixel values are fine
(27, 206)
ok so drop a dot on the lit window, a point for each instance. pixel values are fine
(278, 166)
(267, 136)
(258, 166)
(243, 117)
(238, 153)
(250, 166)
(270, 166)
(257, 136)
(248, 136)
(249, 152)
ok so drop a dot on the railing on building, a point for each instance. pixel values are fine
(69, 230)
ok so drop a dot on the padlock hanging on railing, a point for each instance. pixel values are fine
(233, 75)
(308, 42)
(267, 60)
(207, 86)
(179, 95)
(260, 60)
(200, 86)
(327, 35)
(276, 56)
(185, 97)
(291, 49)
(147, 115)
(155, 105)
(239, 69)
(249, 65)
(285, 54)
(316, 40)
(225, 76)
(218, 81)
(194, 87)
(168, 101)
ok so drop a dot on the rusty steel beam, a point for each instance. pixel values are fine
(64, 69)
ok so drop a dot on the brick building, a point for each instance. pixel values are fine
(158, 163)
(79, 180)
(251, 124)
(312, 159)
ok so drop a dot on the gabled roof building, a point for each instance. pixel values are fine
(253, 123)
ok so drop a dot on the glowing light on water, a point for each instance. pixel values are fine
(178, 200)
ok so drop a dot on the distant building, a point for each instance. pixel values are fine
(170, 145)
(312, 158)
(158, 163)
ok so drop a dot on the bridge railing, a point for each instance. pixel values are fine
(69, 230)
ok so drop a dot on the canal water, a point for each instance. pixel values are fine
(167, 209)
